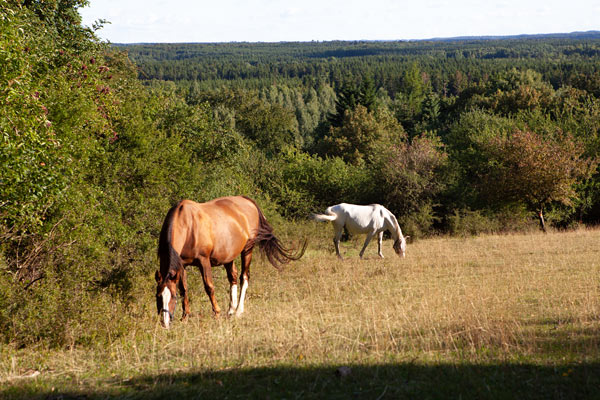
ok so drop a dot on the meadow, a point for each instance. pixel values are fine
(491, 316)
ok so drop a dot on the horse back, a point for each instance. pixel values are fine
(218, 229)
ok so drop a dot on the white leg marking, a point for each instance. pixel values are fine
(240, 307)
(166, 298)
(233, 299)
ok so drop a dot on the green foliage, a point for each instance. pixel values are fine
(466, 139)
(538, 170)
(467, 222)
(350, 96)
(310, 105)
(31, 181)
(270, 127)
(90, 162)
(410, 98)
(511, 91)
(361, 135)
(410, 176)
(301, 184)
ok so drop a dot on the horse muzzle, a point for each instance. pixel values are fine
(166, 317)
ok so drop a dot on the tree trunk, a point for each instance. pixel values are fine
(541, 217)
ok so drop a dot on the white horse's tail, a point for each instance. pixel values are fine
(330, 216)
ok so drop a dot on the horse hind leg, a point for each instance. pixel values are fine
(244, 278)
(339, 230)
(233, 287)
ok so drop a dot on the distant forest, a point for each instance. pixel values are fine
(448, 92)
(558, 57)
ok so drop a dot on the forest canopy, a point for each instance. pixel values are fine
(358, 100)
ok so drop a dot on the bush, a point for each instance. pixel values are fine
(302, 184)
(465, 222)
(468, 222)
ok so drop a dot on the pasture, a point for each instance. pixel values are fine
(498, 316)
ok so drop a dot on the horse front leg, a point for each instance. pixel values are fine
(183, 289)
(367, 240)
(379, 243)
(233, 286)
(208, 284)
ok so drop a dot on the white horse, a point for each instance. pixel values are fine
(373, 220)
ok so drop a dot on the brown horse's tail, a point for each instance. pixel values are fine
(170, 262)
(270, 245)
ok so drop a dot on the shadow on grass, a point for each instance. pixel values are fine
(388, 381)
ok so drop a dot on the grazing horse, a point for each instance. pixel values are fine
(210, 234)
(373, 220)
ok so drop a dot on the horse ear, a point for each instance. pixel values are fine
(157, 276)
(407, 237)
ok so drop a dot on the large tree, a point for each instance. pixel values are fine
(525, 166)
(352, 95)
(410, 176)
(362, 135)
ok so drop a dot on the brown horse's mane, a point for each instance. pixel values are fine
(269, 244)
(169, 258)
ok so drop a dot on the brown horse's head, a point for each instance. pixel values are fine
(166, 296)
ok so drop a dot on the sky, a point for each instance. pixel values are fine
(162, 21)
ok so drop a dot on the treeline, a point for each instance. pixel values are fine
(355, 101)
(455, 137)
(559, 59)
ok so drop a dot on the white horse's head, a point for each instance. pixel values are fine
(400, 245)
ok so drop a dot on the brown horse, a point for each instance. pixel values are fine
(210, 234)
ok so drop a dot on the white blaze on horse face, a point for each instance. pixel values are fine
(166, 298)
(233, 299)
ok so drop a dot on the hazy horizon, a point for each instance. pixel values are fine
(483, 37)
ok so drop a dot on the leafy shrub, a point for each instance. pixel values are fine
(302, 184)
(468, 222)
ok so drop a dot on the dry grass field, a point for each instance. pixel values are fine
(499, 316)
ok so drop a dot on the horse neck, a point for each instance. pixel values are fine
(393, 226)
(169, 258)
